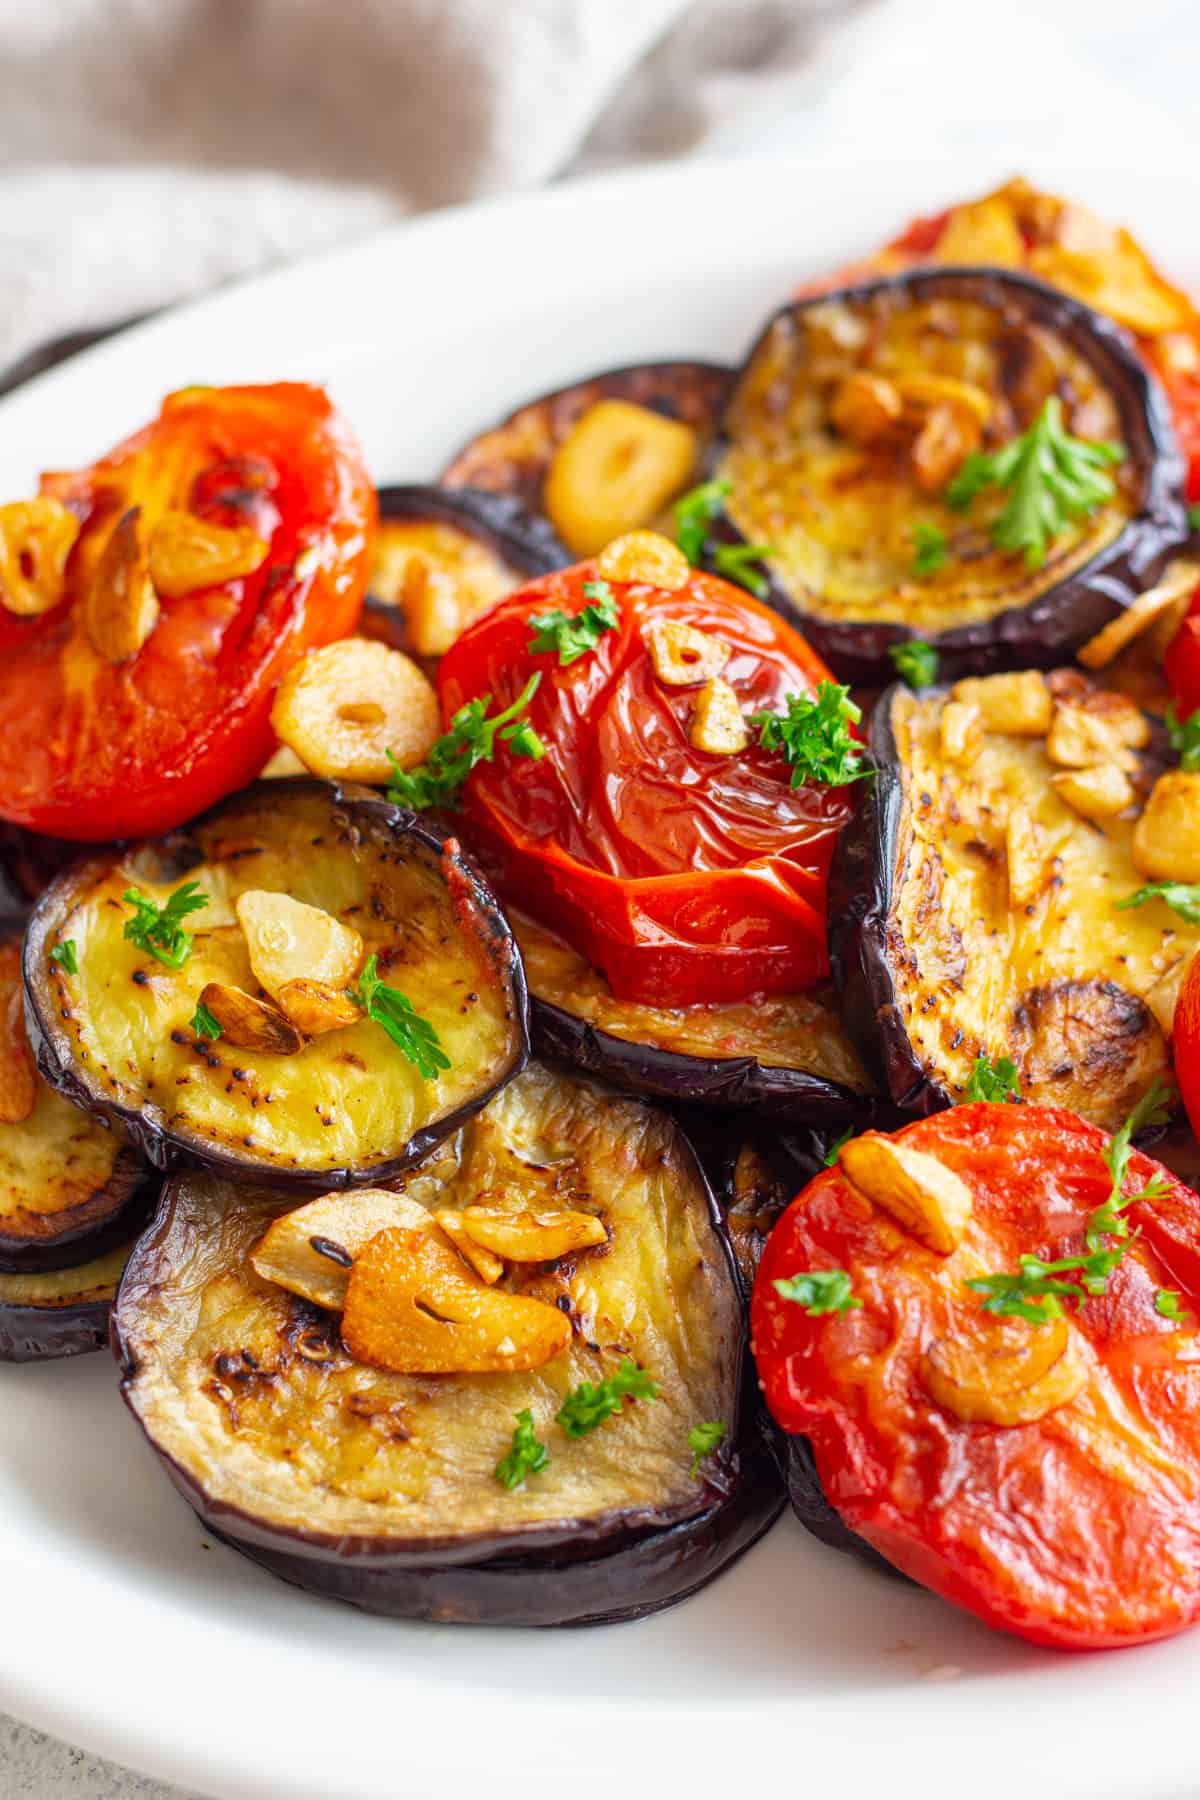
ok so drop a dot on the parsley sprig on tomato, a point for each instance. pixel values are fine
(685, 876)
(1009, 1418)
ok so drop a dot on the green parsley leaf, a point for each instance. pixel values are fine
(695, 512)
(819, 1291)
(703, 1440)
(401, 1020)
(1194, 516)
(528, 1456)
(834, 1150)
(814, 736)
(1036, 1293)
(1107, 1221)
(915, 662)
(1050, 478)
(1185, 737)
(1167, 1303)
(159, 929)
(588, 1405)
(574, 636)
(65, 956)
(471, 739)
(203, 1023)
(995, 1081)
(736, 563)
(929, 547)
(1182, 897)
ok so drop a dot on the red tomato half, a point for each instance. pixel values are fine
(1181, 665)
(1186, 1043)
(684, 876)
(92, 749)
(1079, 1528)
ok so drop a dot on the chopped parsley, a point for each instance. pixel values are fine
(819, 1291)
(694, 513)
(575, 636)
(835, 1149)
(1194, 516)
(1107, 1220)
(402, 1022)
(1037, 1292)
(996, 1081)
(471, 739)
(1182, 897)
(590, 1404)
(736, 562)
(159, 929)
(1185, 737)
(1049, 478)
(703, 1440)
(915, 662)
(814, 736)
(929, 548)
(1167, 1303)
(203, 1023)
(65, 956)
(528, 1456)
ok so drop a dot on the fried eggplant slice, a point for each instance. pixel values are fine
(383, 1489)
(442, 558)
(129, 1036)
(854, 417)
(50, 1313)
(976, 912)
(69, 1187)
(787, 1056)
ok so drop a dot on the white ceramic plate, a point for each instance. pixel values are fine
(124, 1627)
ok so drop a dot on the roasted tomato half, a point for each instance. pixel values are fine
(1021, 1436)
(1186, 1040)
(1182, 663)
(150, 604)
(686, 874)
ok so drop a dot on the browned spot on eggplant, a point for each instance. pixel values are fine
(1086, 1045)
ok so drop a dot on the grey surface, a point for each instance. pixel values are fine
(36, 1767)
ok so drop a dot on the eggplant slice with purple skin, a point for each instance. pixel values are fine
(341, 1108)
(974, 911)
(786, 1056)
(850, 417)
(393, 1502)
(443, 557)
(70, 1188)
(618, 471)
(51, 1313)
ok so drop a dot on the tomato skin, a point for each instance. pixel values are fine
(1181, 664)
(1186, 1043)
(685, 877)
(90, 750)
(1081, 1530)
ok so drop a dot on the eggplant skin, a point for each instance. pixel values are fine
(513, 456)
(617, 1582)
(46, 1316)
(911, 893)
(1051, 626)
(525, 540)
(352, 809)
(594, 1539)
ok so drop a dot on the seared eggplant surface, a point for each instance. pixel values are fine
(602, 456)
(382, 1488)
(215, 1059)
(787, 1055)
(975, 910)
(69, 1187)
(854, 416)
(441, 558)
(51, 1313)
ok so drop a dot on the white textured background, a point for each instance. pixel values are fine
(157, 168)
